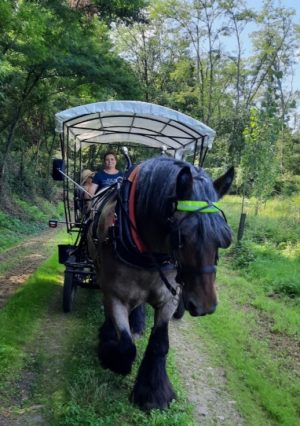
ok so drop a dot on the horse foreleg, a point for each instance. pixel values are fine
(152, 388)
(116, 348)
(137, 320)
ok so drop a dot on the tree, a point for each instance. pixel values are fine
(52, 51)
(259, 165)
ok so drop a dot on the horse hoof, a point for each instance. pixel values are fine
(117, 355)
(148, 400)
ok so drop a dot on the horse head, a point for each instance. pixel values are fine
(178, 213)
(199, 229)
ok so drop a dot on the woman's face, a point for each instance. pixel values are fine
(110, 161)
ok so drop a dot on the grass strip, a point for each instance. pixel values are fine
(266, 391)
(20, 319)
(21, 316)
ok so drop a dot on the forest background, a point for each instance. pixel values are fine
(220, 61)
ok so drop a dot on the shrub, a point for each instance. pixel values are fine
(242, 255)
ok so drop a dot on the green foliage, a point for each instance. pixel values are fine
(52, 56)
(180, 63)
(258, 164)
(27, 220)
(126, 10)
(241, 255)
(287, 184)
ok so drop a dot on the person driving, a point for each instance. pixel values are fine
(109, 175)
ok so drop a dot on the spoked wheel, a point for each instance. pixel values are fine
(68, 291)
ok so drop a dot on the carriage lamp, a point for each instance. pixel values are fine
(52, 223)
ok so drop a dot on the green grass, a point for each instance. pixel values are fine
(261, 380)
(254, 335)
(21, 317)
(269, 253)
(93, 396)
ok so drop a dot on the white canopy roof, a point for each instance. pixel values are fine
(132, 122)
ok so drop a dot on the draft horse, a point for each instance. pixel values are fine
(176, 229)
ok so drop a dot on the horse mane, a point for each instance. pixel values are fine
(156, 189)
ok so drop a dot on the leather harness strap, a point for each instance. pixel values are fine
(131, 206)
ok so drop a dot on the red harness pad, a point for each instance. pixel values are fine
(131, 207)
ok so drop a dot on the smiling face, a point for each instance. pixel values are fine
(110, 162)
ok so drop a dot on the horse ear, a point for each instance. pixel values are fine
(223, 183)
(184, 184)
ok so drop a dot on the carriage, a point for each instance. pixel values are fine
(135, 129)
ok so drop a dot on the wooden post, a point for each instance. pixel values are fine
(241, 226)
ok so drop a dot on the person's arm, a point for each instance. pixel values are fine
(93, 188)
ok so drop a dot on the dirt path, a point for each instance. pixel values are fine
(204, 384)
(19, 262)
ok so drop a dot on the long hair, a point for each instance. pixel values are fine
(156, 191)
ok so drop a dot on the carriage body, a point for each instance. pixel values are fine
(86, 132)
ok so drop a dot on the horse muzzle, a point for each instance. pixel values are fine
(198, 310)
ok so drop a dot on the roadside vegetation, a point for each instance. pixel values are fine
(23, 219)
(254, 334)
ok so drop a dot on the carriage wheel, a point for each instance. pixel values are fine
(68, 291)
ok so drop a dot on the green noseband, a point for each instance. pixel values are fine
(197, 206)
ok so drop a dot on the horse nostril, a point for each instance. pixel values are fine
(212, 309)
(195, 310)
(191, 305)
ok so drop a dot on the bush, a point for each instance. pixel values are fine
(291, 288)
(288, 184)
(241, 254)
(28, 219)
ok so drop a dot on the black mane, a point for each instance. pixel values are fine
(156, 190)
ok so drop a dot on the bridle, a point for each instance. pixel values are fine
(190, 207)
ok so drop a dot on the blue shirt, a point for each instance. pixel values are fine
(104, 179)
